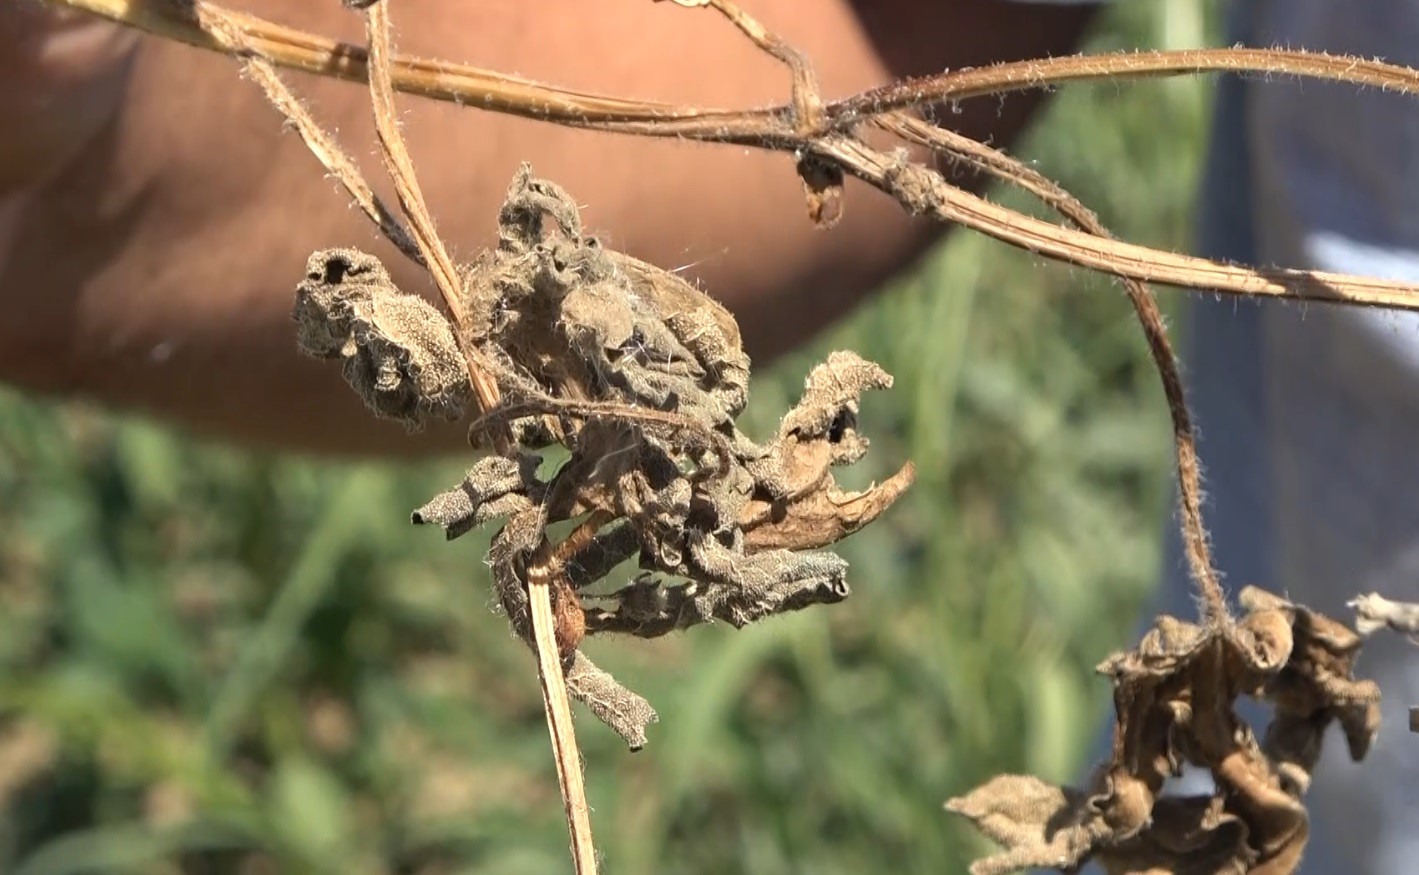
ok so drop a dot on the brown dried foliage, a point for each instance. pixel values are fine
(640, 377)
(1174, 698)
(635, 373)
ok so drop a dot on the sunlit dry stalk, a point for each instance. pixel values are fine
(234, 39)
(925, 192)
(1036, 73)
(400, 167)
(555, 703)
(500, 92)
(775, 128)
(806, 101)
(406, 185)
(553, 683)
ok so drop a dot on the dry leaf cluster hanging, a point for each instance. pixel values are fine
(640, 377)
(1175, 701)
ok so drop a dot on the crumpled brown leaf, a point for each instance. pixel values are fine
(1039, 824)
(640, 377)
(1174, 704)
(817, 435)
(396, 350)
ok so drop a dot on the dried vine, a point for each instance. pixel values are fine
(1002, 166)
(778, 128)
(640, 377)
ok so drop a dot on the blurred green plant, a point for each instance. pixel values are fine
(215, 662)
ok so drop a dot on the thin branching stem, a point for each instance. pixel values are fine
(223, 27)
(406, 185)
(557, 705)
(774, 128)
(500, 92)
(925, 192)
(1150, 319)
(1038, 73)
(806, 100)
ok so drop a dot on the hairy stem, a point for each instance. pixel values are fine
(559, 720)
(221, 25)
(925, 192)
(1002, 166)
(500, 92)
(774, 128)
(549, 666)
(406, 186)
(1045, 72)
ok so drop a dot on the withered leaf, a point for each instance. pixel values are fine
(1175, 700)
(1374, 612)
(397, 351)
(1037, 824)
(1192, 835)
(822, 517)
(1318, 684)
(640, 377)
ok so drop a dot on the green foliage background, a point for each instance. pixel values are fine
(215, 662)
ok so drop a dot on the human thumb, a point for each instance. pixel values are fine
(62, 77)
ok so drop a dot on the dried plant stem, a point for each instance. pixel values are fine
(925, 192)
(499, 92)
(807, 102)
(221, 25)
(406, 185)
(1008, 169)
(555, 701)
(293, 49)
(559, 719)
(779, 129)
(580, 537)
(401, 168)
(1042, 72)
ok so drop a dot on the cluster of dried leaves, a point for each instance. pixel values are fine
(1175, 704)
(639, 377)
(1175, 700)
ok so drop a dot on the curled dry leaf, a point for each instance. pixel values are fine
(1374, 612)
(396, 351)
(640, 377)
(1174, 705)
